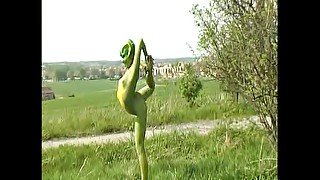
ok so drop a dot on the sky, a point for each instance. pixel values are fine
(90, 30)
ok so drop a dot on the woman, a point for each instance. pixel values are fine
(134, 101)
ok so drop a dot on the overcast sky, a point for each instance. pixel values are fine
(86, 30)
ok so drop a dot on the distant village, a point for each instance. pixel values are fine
(166, 70)
(66, 71)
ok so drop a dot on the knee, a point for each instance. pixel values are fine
(151, 89)
(151, 85)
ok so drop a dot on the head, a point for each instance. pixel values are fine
(127, 53)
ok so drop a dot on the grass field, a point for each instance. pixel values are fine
(95, 109)
(225, 154)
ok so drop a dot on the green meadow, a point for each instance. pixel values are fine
(94, 109)
(225, 154)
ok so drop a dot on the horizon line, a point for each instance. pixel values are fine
(113, 60)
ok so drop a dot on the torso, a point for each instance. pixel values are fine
(125, 97)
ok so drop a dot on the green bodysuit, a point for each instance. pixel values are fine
(134, 102)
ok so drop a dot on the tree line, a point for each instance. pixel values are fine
(64, 72)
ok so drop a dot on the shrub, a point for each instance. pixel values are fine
(190, 86)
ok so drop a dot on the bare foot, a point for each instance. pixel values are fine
(149, 64)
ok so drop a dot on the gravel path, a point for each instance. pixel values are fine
(202, 127)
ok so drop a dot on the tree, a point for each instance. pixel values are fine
(239, 39)
(102, 72)
(190, 85)
(70, 74)
(111, 72)
(95, 72)
(59, 74)
(49, 73)
(119, 72)
(82, 73)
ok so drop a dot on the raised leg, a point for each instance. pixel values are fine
(133, 71)
(127, 84)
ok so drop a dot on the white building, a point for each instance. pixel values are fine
(169, 70)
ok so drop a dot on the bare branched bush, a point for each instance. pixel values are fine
(238, 39)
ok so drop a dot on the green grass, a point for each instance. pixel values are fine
(81, 88)
(95, 109)
(223, 154)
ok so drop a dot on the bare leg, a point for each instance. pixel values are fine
(132, 74)
(140, 129)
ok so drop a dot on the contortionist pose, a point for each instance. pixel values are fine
(134, 102)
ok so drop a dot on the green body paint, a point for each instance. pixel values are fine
(134, 102)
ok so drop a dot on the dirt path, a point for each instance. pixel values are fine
(202, 127)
